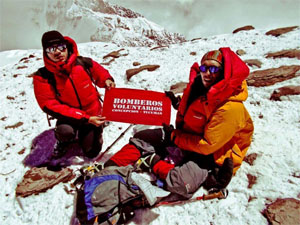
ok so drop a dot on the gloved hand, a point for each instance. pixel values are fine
(174, 100)
(168, 129)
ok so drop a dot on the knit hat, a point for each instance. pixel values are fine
(213, 55)
(52, 37)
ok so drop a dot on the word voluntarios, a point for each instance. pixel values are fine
(137, 106)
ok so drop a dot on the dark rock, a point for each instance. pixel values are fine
(249, 27)
(136, 64)
(178, 88)
(240, 52)
(283, 211)
(271, 76)
(284, 91)
(250, 158)
(253, 62)
(193, 53)
(14, 126)
(37, 180)
(280, 31)
(158, 47)
(291, 53)
(132, 72)
(115, 54)
(251, 180)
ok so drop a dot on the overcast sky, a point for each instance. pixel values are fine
(192, 18)
(198, 18)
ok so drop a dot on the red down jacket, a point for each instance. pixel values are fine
(73, 85)
(219, 124)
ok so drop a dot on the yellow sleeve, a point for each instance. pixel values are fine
(223, 125)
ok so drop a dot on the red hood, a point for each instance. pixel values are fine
(235, 71)
(62, 67)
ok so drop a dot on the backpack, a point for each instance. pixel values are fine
(85, 62)
(107, 196)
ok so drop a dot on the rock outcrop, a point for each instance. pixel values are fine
(249, 27)
(284, 91)
(271, 76)
(280, 31)
(283, 211)
(132, 72)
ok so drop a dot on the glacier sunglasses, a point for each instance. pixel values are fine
(61, 47)
(212, 69)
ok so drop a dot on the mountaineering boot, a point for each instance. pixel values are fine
(146, 163)
(60, 149)
(220, 177)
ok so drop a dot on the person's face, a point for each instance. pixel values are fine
(210, 72)
(57, 52)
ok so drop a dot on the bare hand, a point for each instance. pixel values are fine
(97, 120)
(110, 84)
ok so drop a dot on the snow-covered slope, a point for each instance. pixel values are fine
(276, 137)
(85, 20)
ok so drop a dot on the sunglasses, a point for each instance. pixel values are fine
(53, 48)
(212, 69)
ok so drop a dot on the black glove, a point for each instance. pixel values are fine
(174, 100)
(167, 131)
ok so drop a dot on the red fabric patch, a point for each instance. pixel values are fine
(136, 106)
(128, 155)
(162, 169)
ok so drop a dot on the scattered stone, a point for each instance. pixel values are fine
(253, 42)
(253, 62)
(291, 53)
(108, 62)
(195, 39)
(21, 67)
(271, 76)
(297, 175)
(250, 158)
(280, 31)
(136, 64)
(16, 75)
(193, 53)
(251, 198)
(240, 52)
(248, 27)
(10, 98)
(22, 151)
(260, 116)
(255, 103)
(283, 211)
(132, 72)
(157, 47)
(37, 180)
(284, 91)
(251, 180)
(115, 54)
(179, 87)
(3, 118)
(14, 126)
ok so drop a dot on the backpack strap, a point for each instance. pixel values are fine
(49, 76)
(86, 63)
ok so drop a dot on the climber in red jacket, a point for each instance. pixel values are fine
(65, 89)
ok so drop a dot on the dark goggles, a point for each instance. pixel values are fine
(53, 48)
(212, 69)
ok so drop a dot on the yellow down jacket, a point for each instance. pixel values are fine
(219, 123)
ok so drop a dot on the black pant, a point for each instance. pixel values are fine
(89, 136)
(155, 138)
